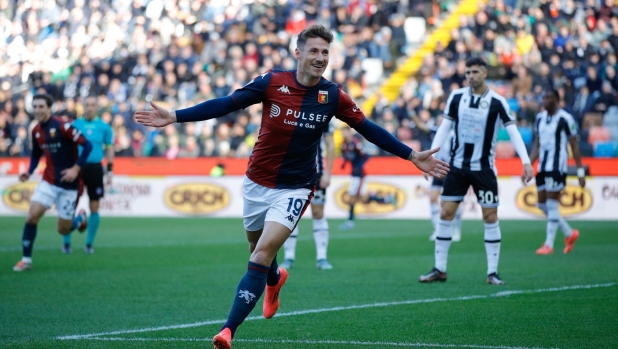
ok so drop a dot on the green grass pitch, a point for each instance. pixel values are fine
(149, 273)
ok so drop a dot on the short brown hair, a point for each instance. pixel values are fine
(47, 98)
(314, 31)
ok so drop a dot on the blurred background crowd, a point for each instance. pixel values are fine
(179, 53)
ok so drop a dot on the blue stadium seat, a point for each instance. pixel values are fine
(526, 134)
(604, 150)
(503, 135)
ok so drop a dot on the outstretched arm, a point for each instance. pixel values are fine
(383, 139)
(214, 108)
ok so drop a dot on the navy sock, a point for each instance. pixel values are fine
(248, 292)
(273, 273)
(28, 239)
(351, 217)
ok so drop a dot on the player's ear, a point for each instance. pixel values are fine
(297, 54)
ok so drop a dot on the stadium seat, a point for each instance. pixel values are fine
(611, 117)
(613, 132)
(526, 134)
(374, 70)
(415, 28)
(503, 135)
(599, 134)
(505, 150)
(604, 150)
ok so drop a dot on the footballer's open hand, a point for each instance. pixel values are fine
(157, 117)
(427, 163)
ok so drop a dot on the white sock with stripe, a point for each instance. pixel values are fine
(493, 238)
(553, 220)
(320, 235)
(443, 243)
(435, 215)
(289, 246)
(562, 223)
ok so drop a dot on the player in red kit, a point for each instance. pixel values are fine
(58, 141)
(281, 175)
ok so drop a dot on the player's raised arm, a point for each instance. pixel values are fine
(424, 161)
(252, 93)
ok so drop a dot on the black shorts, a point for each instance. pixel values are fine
(484, 183)
(551, 181)
(92, 174)
(437, 182)
(319, 197)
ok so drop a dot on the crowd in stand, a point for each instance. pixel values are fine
(179, 53)
(531, 46)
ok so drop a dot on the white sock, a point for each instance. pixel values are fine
(289, 246)
(320, 235)
(457, 220)
(492, 246)
(26, 260)
(562, 223)
(435, 215)
(553, 220)
(443, 243)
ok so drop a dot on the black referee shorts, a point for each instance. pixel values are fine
(484, 183)
(92, 174)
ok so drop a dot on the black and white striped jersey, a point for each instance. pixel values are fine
(476, 121)
(321, 155)
(553, 133)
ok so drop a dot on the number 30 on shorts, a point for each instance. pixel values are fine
(487, 197)
(296, 205)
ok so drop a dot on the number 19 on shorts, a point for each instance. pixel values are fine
(295, 206)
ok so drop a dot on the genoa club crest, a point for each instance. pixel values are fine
(323, 97)
(52, 132)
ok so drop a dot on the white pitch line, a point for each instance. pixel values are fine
(341, 308)
(347, 343)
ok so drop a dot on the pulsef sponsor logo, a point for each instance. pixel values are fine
(377, 198)
(18, 196)
(197, 198)
(573, 200)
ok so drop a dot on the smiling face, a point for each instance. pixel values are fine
(42, 112)
(312, 58)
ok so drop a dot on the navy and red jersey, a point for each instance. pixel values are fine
(58, 141)
(353, 153)
(293, 120)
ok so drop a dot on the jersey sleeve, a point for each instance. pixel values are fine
(348, 111)
(450, 110)
(253, 92)
(504, 113)
(571, 129)
(72, 133)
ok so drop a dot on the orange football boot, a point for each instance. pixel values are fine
(570, 241)
(545, 250)
(223, 340)
(271, 299)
